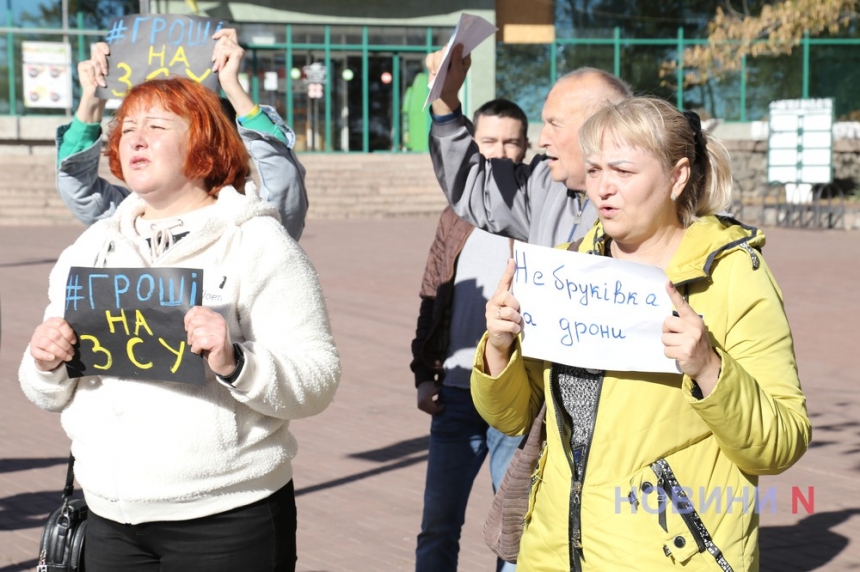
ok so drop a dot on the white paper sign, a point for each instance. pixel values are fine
(470, 31)
(591, 311)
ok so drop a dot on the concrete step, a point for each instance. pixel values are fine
(36, 216)
(27, 183)
(35, 209)
(21, 197)
(375, 206)
(339, 186)
(347, 199)
(367, 189)
(47, 219)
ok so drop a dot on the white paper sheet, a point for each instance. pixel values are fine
(591, 311)
(471, 30)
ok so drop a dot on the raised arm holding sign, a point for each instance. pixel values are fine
(268, 139)
(144, 47)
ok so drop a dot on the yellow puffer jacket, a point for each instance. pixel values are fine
(753, 423)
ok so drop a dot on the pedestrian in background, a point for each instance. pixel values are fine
(543, 201)
(461, 274)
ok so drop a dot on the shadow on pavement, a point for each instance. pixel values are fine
(29, 510)
(808, 545)
(400, 450)
(21, 566)
(12, 465)
(363, 475)
(395, 450)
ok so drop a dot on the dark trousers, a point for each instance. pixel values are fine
(259, 537)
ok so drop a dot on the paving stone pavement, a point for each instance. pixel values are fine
(360, 468)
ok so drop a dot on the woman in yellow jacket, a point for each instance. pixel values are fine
(644, 471)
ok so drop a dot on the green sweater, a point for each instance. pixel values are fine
(82, 135)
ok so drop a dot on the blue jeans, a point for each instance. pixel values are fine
(459, 442)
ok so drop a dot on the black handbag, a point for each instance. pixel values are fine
(61, 548)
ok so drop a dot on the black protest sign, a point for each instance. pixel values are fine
(130, 322)
(144, 47)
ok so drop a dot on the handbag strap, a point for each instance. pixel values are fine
(532, 444)
(667, 482)
(69, 489)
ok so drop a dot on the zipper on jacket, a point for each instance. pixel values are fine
(574, 458)
(753, 256)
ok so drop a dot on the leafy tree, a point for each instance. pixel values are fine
(772, 29)
(641, 65)
(522, 75)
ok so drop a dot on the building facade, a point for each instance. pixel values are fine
(349, 76)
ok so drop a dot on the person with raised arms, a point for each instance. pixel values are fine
(460, 275)
(541, 202)
(268, 139)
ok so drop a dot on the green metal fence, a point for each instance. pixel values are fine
(680, 43)
(365, 48)
(80, 38)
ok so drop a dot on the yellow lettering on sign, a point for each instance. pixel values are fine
(160, 71)
(198, 79)
(178, 353)
(123, 79)
(98, 349)
(140, 322)
(112, 319)
(129, 349)
(179, 56)
(159, 55)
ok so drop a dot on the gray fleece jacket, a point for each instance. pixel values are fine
(518, 200)
(282, 177)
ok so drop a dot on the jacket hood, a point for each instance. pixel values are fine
(231, 207)
(706, 240)
(231, 210)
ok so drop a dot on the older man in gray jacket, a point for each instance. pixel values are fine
(542, 202)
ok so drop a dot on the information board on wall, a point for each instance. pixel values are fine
(47, 72)
(800, 141)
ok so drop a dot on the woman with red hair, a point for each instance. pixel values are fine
(179, 476)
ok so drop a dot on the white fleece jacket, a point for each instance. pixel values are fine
(147, 451)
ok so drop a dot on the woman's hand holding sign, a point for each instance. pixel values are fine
(686, 339)
(208, 337)
(52, 344)
(504, 323)
(91, 75)
(227, 61)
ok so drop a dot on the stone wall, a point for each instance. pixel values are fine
(749, 165)
(369, 185)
